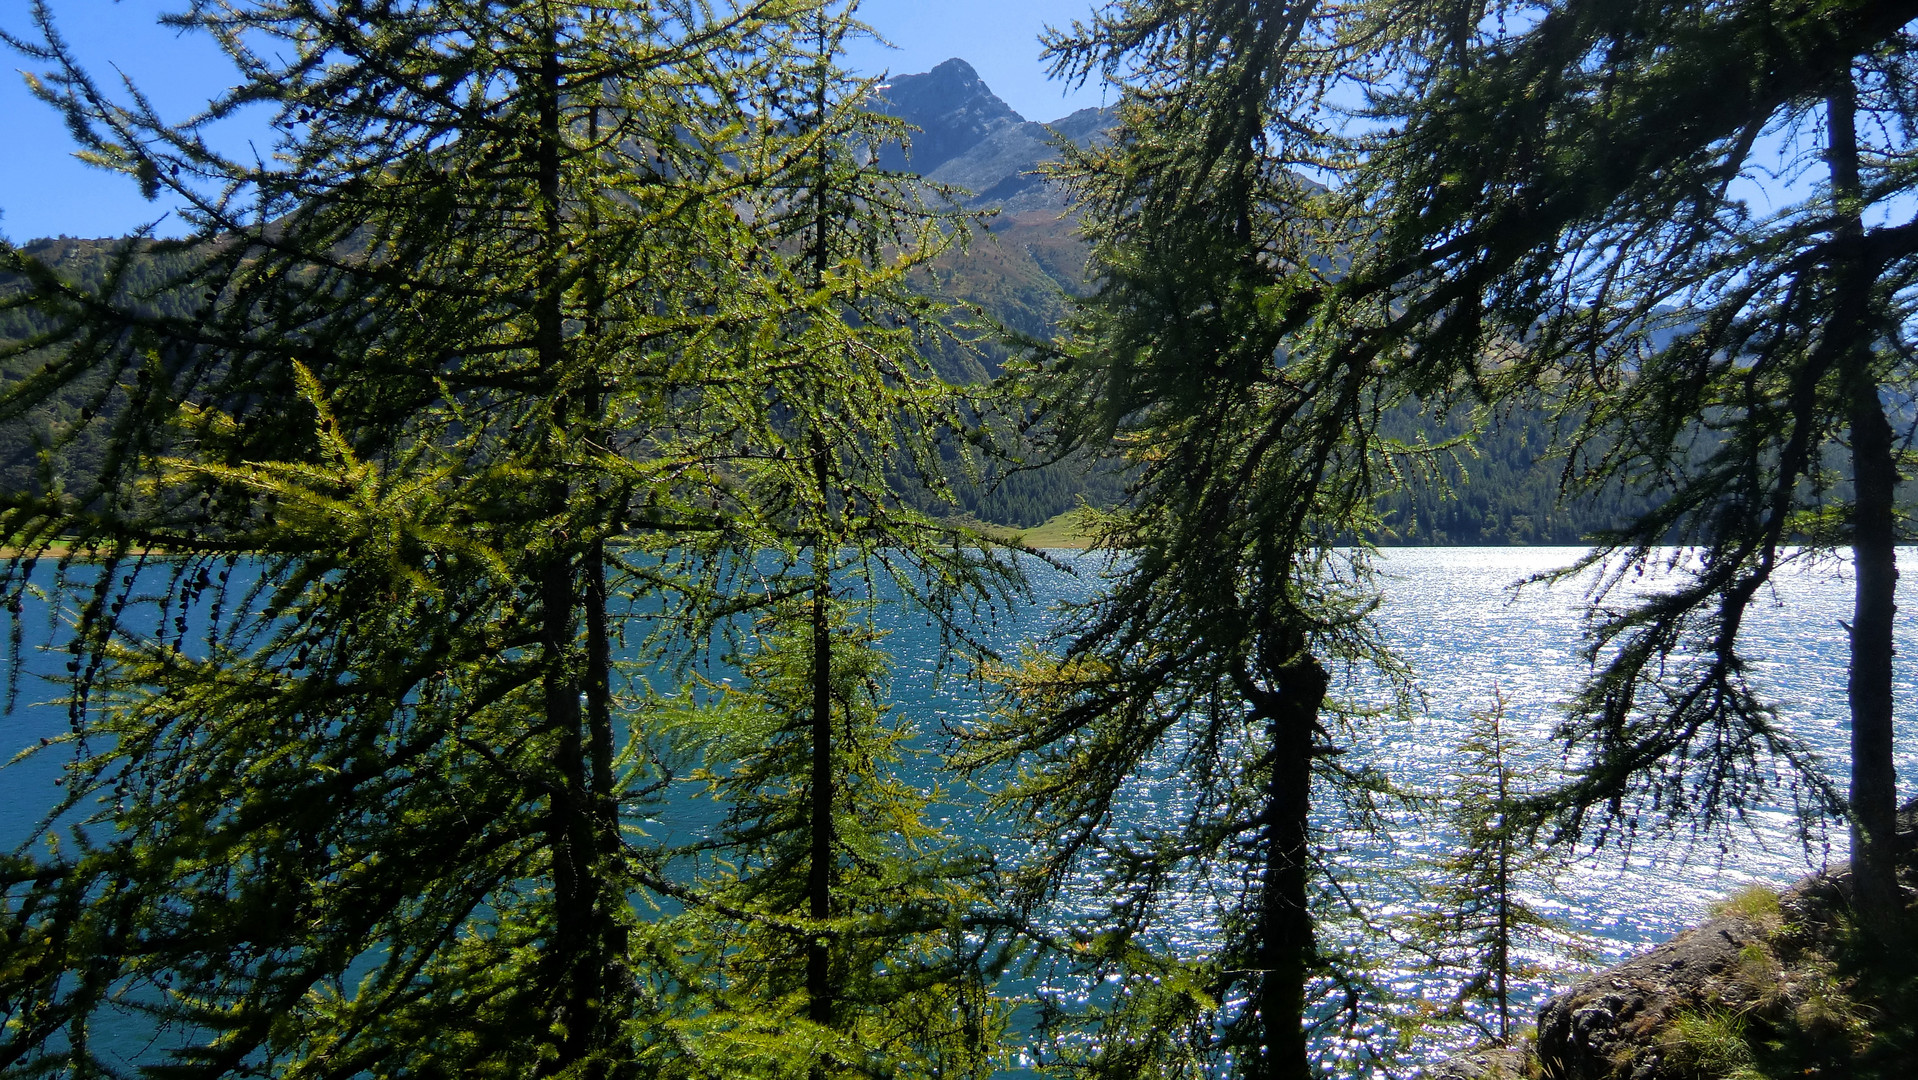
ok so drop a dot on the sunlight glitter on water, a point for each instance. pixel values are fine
(1456, 617)
(1453, 616)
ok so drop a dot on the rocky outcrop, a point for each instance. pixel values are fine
(1494, 1063)
(1759, 962)
(971, 140)
(953, 109)
(1608, 1027)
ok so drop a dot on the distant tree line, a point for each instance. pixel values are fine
(1503, 485)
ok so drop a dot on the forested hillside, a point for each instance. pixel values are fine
(1499, 483)
(135, 274)
(1020, 271)
(1505, 486)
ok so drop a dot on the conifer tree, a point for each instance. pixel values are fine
(851, 943)
(1198, 363)
(1545, 198)
(1478, 913)
(481, 385)
(1566, 198)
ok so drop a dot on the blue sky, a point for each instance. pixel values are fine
(45, 192)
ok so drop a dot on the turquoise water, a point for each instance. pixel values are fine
(1453, 616)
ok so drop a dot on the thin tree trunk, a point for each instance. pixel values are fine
(569, 833)
(610, 932)
(819, 991)
(819, 875)
(567, 816)
(1874, 784)
(819, 994)
(1286, 944)
(1502, 932)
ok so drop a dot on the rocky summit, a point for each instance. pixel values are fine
(971, 140)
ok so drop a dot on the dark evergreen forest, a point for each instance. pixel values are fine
(1500, 485)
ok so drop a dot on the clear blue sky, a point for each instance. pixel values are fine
(45, 192)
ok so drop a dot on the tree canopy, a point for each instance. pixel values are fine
(1313, 214)
(554, 345)
(1573, 204)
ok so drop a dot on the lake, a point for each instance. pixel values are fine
(1453, 615)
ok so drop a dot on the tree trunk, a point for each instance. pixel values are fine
(1286, 947)
(609, 934)
(1503, 913)
(819, 874)
(1874, 785)
(572, 988)
(819, 993)
(1874, 781)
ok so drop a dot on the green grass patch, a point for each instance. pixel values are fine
(1755, 904)
(1710, 1045)
(1067, 530)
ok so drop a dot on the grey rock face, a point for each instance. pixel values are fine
(1489, 1064)
(952, 107)
(971, 140)
(1002, 169)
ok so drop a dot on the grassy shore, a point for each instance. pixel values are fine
(1061, 533)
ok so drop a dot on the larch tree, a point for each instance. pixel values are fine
(464, 406)
(1682, 224)
(1199, 362)
(1479, 923)
(850, 935)
(1536, 199)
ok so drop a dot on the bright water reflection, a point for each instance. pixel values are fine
(1456, 618)
(1451, 613)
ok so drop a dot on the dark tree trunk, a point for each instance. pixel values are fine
(819, 874)
(609, 967)
(568, 834)
(1285, 940)
(1874, 784)
(819, 991)
(613, 976)
(572, 987)
(1874, 781)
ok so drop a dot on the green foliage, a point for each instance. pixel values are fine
(1252, 451)
(912, 979)
(1535, 206)
(531, 348)
(841, 937)
(1480, 921)
(1556, 192)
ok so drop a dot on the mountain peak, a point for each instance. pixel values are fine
(953, 108)
(955, 69)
